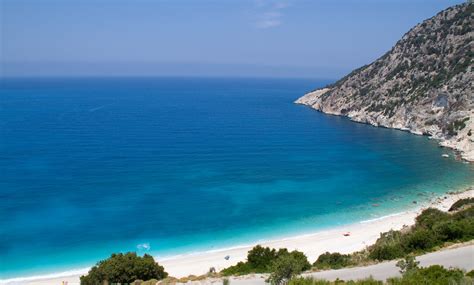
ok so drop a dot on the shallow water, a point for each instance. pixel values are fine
(95, 166)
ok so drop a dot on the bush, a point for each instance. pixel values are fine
(388, 246)
(367, 281)
(301, 259)
(466, 214)
(433, 275)
(285, 267)
(240, 268)
(419, 240)
(260, 260)
(429, 217)
(432, 228)
(124, 268)
(461, 203)
(408, 264)
(332, 260)
(307, 281)
(386, 252)
(449, 230)
(312, 281)
(148, 282)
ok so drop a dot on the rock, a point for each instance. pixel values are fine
(423, 85)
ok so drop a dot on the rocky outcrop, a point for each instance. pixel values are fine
(424, 84)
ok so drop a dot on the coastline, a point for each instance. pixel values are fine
(363, 233)
(461, 143)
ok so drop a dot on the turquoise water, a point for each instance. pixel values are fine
(95, 166)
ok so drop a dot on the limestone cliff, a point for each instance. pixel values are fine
(424, 84)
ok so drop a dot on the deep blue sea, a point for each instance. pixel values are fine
(89, 167)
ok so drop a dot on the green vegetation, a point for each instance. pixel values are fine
(148, 282)
(387, 246)
(408, 264)
(457, 125)
(262, 260)
(332, 260)
(460, 204)
(432, 229)
(433, 275)
(124, 268)
(287, 266)
(312, 281)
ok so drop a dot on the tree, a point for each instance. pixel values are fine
(287, 266)
(260, 258)
(124, 268)
(332, 260)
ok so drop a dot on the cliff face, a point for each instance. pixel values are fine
(424, 84)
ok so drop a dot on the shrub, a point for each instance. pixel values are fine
(461, 204)
(433, 275)
(408, 264)
(285, 267)
(449, 230)
(312, 281)
(432, 228)
(260, 258)
(429, 217)
(240, 268)
(367, 281)
(148, 282)
(301, 259)
(307, 281)
(388, 246)
(419, 240)
(332, 260)
(124, 268)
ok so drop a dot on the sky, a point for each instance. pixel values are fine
(249, 38)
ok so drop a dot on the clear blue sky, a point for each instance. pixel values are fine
(290, 38)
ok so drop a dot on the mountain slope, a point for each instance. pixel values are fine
(424, 84)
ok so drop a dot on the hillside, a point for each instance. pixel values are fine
(424, 84)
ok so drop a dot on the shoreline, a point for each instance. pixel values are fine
(461, 143)
(363, 233)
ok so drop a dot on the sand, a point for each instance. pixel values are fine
(361, 235)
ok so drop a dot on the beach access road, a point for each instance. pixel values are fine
(459, 257)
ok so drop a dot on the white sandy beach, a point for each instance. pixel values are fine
(361, 235)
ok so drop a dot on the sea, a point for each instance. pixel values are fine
(167, 166)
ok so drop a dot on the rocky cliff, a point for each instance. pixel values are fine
(424, 84)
